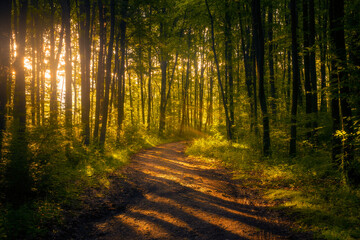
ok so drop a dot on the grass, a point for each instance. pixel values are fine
(62, 168)
(308, 187)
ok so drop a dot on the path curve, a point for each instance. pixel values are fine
(187, 198)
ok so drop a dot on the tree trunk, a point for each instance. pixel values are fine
(271, 62)
(108, 75)
(100, 75)
(343, 150)
(53, 91)
(68, 67)
(163, 67)
(121, 84)
(307, 76)
(228, 122)
(259, 49)
(296, 77)
(17, 175)
(85, 50)
(5, 35)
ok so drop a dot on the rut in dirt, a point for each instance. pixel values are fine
(187, 198)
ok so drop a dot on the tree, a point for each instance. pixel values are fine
(5, 32)
(108, 74)
(100, 75)
(229, 133)
(342, 149)
(85, 50)
(17, 175)
(68, 68)
(259, 49)
(296, 77)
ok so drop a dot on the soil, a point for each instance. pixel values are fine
(167, 195)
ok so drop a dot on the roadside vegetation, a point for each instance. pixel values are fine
(308, 187)
(62, 169)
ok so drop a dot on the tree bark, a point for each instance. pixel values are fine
(108, 75)
(343, 150)
(5, 35)
(259, 49)
(100, 75)
(85, 50)
(296, 77)
(68, 66)
(17, 175)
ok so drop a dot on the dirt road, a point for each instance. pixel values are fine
(186, 198)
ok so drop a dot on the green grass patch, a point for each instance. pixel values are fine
(61, 169)
(308, 187)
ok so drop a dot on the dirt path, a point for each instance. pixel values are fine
(185, 198)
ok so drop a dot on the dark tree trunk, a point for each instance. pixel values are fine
(222, 92)
(163, 67)
(100, 75)
(312, 66)
(307, 76)
(271, 61)
(17, 175)
(68, 67)
(121, 84)
(149, 92)
(85, 50)
(149, 80)
(296, 77)
(53, 91)
(229, 62)
(323, 51)
(186, 86)
(259, 49)
(108, 75)
(343, 150)
(5, 35)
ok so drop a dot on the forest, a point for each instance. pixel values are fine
(269, 88)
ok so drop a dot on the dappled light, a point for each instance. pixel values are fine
(179, 119)
(186, 198)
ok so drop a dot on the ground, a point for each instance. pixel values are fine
(168, 195)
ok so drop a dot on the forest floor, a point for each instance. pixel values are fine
(165, 194)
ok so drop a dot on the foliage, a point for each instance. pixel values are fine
(62, 168)
(308, 187)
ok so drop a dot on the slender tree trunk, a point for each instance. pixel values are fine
(33, 71)
(53, 91)
(5, 35)
(108, 75)
(186, 86)
(17, 175)
(149, 90)
(85, 50)
(141, 83)
(323, 52)
(68, 67)
(100, 75)
(229, 62)
(259, 49)
(343, 150)
(307, 76)
(121, 90)
(296, 77)
(271, 61)
(163, 67)
(312, 67)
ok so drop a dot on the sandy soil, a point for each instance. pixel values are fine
(180, 197)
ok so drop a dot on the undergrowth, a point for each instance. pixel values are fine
(61, 169)
(308, 187)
